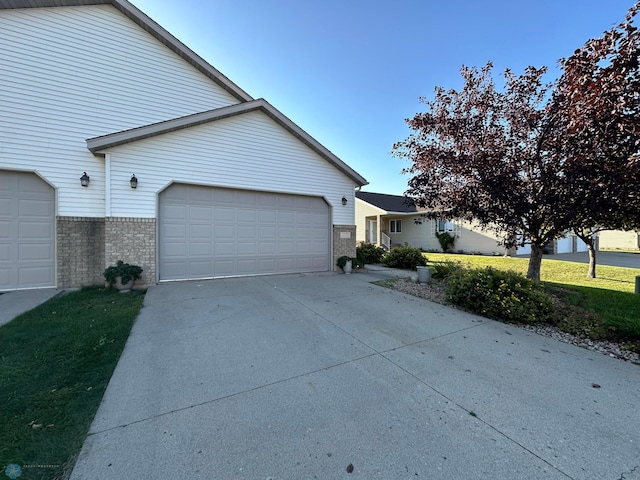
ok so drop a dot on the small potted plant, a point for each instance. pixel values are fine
(346, 263)
(122, 275)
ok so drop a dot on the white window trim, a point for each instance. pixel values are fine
(395, 224)
(449, 226)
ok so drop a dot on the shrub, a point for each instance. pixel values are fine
(125, 271)
(501, 295)
(405, 257)
(369, 253)
(446, 241)
(580, 322)
(445, 268)
(342, 261)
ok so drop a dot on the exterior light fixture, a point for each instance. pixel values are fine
(344, 200)
(133, 181)
(84, 179)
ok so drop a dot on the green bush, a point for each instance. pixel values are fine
(581, 323)
(342, 261)
(125, 271)
(446, 241)
(501, 295)
(369, 253)
(444, 268)
(405, 257)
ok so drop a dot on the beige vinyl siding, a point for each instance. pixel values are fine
(72, 73)
(364, 210)
(619, 239)
(416, 235)
(473, 239)
(248, 151)
(469, 236)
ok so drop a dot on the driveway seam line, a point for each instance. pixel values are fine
(382, 354)
(195, 325)
(231, 395)
(295, 300)
(495, 429)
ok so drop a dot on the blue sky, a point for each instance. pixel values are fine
(350, 71)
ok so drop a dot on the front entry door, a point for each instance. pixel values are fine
(372, 230)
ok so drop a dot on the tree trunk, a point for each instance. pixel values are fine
(592, 258)
(535, 261)
(588, 238)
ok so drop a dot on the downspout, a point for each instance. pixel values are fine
(107, 184)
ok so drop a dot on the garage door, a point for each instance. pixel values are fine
(27, 232)
(581, 246)
(564, 245)
(216, 232)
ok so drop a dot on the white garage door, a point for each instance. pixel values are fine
(27, 232)
(581, 246)
(564, 245)
(210, 232)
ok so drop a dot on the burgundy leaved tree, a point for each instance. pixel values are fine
(482, 153)
(596, 102)
(533, 161)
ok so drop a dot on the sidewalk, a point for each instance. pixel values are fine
(16, 303)
(387, 272)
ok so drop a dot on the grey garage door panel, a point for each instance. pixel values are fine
(27, 231)
(214, 232)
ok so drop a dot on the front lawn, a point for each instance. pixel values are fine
(55, 364)
(611, 295)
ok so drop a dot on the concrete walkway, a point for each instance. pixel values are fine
(18, 302)
(301, 376)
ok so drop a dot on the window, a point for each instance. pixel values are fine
(395, 226)
(444, 226)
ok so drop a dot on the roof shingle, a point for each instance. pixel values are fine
(389, 203)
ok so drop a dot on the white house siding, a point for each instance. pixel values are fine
(72, 73)
(249, 151)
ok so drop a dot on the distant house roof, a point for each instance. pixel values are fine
(389, 203)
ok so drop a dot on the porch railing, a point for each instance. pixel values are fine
(385, 241)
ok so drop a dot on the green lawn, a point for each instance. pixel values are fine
(610, 295)
(55, 364)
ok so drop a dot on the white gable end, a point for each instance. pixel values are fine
(248, 151)
(72, 73)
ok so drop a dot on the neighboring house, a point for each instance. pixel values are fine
(619, 240)
(227, 185)
(393, 220)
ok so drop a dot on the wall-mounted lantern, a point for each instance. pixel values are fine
(344, 200)
(84, 179)
(133, 181)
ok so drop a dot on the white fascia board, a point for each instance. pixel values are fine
(406, 214)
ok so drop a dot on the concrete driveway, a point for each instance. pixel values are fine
(614, 259)
(303, 376)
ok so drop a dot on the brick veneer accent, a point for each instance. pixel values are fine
(343, 246)
(80, 251)
(132, 240)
